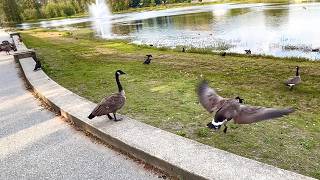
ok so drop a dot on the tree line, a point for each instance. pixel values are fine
(17, 11)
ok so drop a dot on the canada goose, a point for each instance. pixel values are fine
(148, 59)
(223, 54)
(227, 109)
(183, 49)
(294, 80)
(248, 51)
(9, 46)
(6, 48)
(112, 103)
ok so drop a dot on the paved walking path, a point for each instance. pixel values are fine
(36, 144)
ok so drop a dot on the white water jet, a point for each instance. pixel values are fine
(101, 18)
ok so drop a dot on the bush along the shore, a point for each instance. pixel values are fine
(16, 11)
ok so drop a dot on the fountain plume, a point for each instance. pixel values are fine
(100, 15)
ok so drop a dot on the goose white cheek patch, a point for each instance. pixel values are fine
(218, 123)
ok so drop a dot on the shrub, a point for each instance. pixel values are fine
(30, 14)
(50, 10)
(68, 9)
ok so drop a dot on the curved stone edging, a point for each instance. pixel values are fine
(176, 155)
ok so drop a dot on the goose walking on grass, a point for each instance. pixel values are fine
(112, 103)
(227, 109)
(293, 81)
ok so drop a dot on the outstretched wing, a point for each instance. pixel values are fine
(208, 97)
(252, 114)
(109, 105)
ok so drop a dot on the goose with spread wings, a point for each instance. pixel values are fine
(227, 109)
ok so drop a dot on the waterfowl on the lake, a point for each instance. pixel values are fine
(112, 103)
(228, 109)
(293, 81)
(148, 59)
(223, 54)
(248, 51)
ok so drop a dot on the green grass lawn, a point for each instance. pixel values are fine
(162, 94)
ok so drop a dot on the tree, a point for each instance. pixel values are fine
(134, 3)
(32, 6)
(11, 13)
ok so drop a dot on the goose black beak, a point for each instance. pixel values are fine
(211, 126)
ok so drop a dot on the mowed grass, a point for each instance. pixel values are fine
(162, 94)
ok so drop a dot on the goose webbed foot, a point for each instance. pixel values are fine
(115, 117)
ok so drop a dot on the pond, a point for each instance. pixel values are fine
(282, 30)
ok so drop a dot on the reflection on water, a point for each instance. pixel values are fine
(271, 29)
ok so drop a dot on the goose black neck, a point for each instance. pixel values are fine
(297, 72)
(118, 83)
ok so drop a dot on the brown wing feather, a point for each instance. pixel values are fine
(294, 80)
(230, 109)
(252, 114)
(109, 104)
(208, 97)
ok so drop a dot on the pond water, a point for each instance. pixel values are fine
(283, 30)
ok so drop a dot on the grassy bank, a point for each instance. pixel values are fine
(163, 93)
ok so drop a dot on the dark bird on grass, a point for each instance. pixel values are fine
(228, 109)
(148, 59)
(248, 51)
(315, 50)
(112, 103)
(223, 54)
(293, 81)
(183, 49)
(151, 45)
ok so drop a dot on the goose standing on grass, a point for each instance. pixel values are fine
(148, 59)
(294, 80)
(227, 109)
(112, 103)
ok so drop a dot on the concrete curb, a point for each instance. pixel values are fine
(176, 155)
